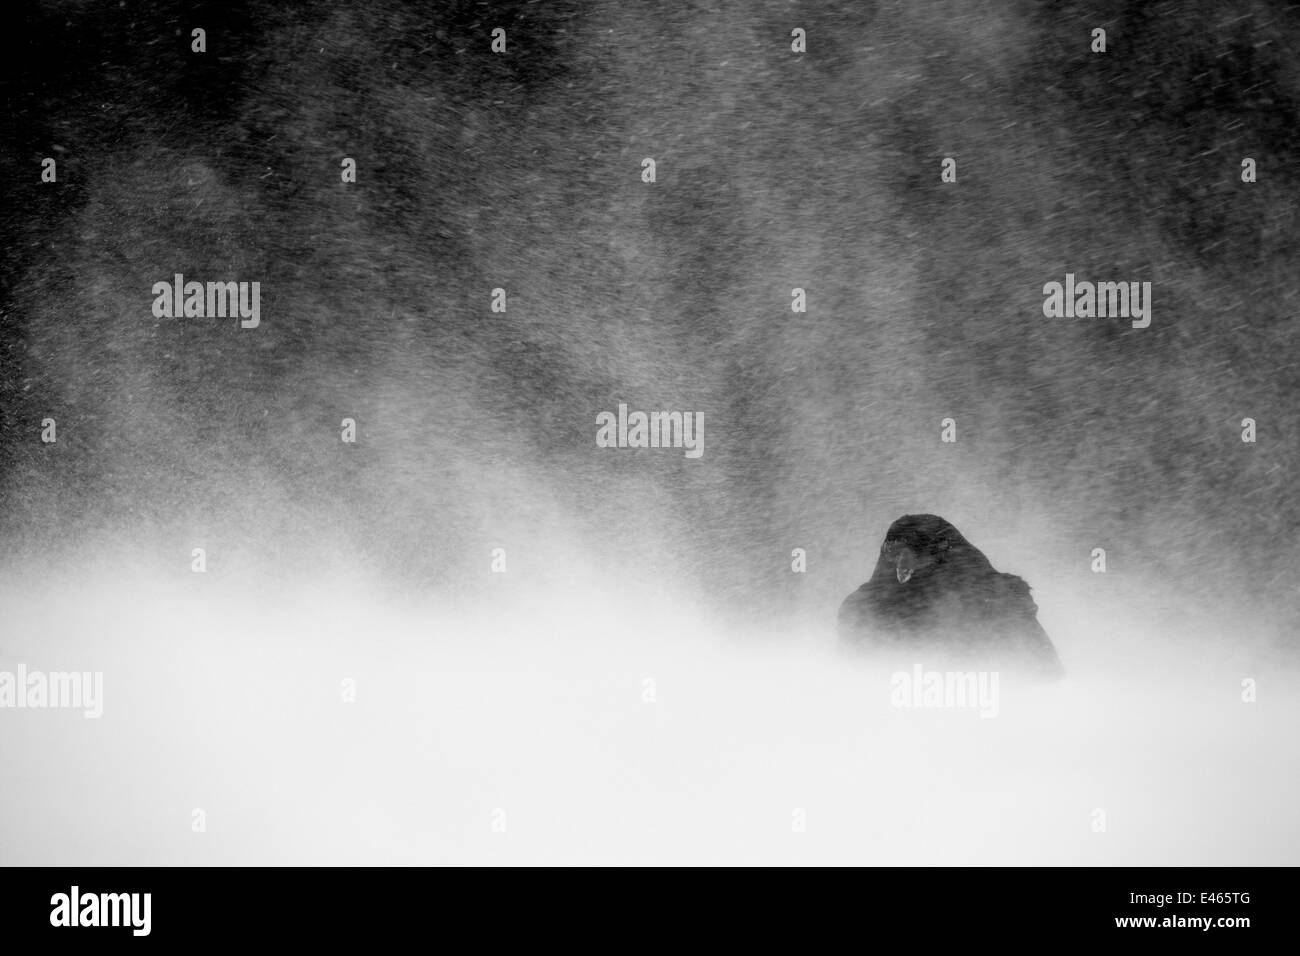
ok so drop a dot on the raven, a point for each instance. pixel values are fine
(933, 591)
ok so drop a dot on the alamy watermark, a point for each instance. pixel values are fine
(76, 908)
(922, 688)
(1086, 300)
(215, 300)
(652, 430)
(74, 690)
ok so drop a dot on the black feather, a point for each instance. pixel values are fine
(956, 604)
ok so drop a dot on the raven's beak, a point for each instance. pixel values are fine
(905, 566)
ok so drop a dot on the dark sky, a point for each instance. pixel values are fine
(774, 170)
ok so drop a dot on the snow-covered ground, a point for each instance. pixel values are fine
(611, 728)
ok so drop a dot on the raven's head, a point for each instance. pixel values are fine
(917, 546)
